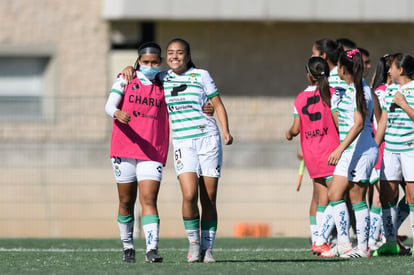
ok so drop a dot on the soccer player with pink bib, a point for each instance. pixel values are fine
(318, 133)
(139, 148)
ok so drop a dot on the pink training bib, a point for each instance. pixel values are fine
(146, 136)
(318, 134)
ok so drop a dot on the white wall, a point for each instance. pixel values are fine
(262, 10)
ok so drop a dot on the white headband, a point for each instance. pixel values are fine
(149, 50)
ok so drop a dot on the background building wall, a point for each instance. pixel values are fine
(268, 58)
(79, 38)
(56, 178)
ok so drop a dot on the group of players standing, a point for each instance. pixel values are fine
(365, 142)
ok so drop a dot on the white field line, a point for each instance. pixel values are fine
(65, 250)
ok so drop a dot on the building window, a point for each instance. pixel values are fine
(27, 85)
(127, 35)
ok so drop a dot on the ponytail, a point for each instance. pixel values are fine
(331, 48)
(352, 61)
(318, 68)
(381, 72)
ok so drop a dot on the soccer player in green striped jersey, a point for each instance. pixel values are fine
(354, 158)
(396, 128)
(197, 145)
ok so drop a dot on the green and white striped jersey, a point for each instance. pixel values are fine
(339, 85)
(399, 135)
(185, 96)
(346, 108)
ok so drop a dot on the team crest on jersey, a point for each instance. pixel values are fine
(179, 165)
(135, 87)
(407, 92)
(192, 78)
(117, 171)
(202, 128)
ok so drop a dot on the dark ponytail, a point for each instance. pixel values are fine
(318, 68)
(381, 72)
(331, 48)
(352, 61)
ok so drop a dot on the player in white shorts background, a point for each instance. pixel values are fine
(354, 158)
(329, 50)
(379, 84)
(396, 129)
(197, 145)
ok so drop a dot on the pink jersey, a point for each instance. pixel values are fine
(318, 134)
(146, 136)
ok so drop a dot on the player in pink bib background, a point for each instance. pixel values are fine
(318, 133)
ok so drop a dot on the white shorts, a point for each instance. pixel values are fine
(375, 175)
(356, 166)
(130, 170)
(203, 156)
(397, 165)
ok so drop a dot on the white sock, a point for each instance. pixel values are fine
(375, 225)
(208, 234)
(207, 237)
(126, 231)
(313, 228)
(403, 212)
(193, 236)
(327, 225)
(412, 218)
(362, 224)
(151, 226)
(319, 217)
(389, 219)
(341, 217)
(192, 228)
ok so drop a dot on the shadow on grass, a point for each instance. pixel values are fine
(282, 261)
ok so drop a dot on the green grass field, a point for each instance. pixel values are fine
(234, 256)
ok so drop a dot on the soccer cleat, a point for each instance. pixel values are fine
(207, 256)
(337, 251)
(388, 249)
(404, 250)
(153, 257)
(317, 250)
(193, 252)
(129, 255)
(376, 245)
(356, 252)
(402, 238)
